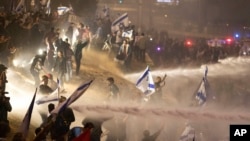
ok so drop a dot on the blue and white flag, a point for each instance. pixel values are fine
(201, 94)
(20, 6)
(188, 134)
(54, 96)
(128, 34)
(120, 21)
(48, 98)
(146, 83)
(24, 128)
(74, 96)
(62, 10)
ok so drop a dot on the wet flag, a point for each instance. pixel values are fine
(204, 92)
(54, 96)
(74, 96)
(24, 128)
(201, 95)
(145, 83)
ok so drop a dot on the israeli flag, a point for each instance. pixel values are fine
(24, 128)
(48, 98)
(201, 94)
(74, 96)
(128, 34)
(62, 10)
(146, 83)
(188, 134)
(54, 96)
(120, 21)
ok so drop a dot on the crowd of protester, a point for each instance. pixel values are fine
(32, 30)
(168, 51)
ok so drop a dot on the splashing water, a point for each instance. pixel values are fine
(228, 79)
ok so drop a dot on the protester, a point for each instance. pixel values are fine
(69, 55)
(3, 78)
(159, 84)
(142, 46)
(113, 90)
(39, 130)
(60, 68)
(78, 54)
(50, 38)
(36, 66)
(85, 133)
(62, 123)
(97, 131)
(5, 105)
(51, 82)
(153, 137)
(44, 88)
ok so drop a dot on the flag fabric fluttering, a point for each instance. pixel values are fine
(20, 6)
(48, 98)
(73, 97)
(201, 94)
(145, 83)
(54, 96)
(120, 21)
(24, 128)
(188, 134)
(62, 10)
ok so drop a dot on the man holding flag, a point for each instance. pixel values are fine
(62, 123)
(145, 83)
(58, 115)
(201, 94)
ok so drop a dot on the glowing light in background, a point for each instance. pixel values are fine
(158, 48)
(237, 35)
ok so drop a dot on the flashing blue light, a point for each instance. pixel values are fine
(237, 35)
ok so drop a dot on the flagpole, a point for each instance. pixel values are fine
(24, 128)
(58, 91)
